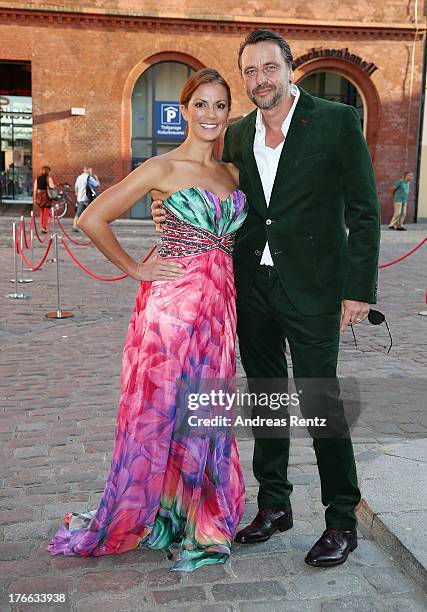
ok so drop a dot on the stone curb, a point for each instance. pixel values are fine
(398, 526)
(391, 542)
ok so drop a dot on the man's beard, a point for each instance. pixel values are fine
(272, 102)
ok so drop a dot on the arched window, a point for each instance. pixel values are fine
(333, 86)
(157, 125)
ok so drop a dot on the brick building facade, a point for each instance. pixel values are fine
(93, 54)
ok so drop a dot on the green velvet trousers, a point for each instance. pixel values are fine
(265, 323)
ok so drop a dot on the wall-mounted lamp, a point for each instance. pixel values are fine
(76, 110)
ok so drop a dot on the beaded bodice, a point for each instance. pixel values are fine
(198, 221)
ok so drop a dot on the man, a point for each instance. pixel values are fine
(85, 188)
(400, 199)
(304, 166)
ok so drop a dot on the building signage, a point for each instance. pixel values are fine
(15, 116)
(344, 54)
(169, 122)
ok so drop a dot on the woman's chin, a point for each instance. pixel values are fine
(207, 135)
(211, 137)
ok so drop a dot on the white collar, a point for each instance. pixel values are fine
(259, 124)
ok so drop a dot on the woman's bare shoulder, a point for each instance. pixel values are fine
(153, 172)
(168, 170)
(160, 163)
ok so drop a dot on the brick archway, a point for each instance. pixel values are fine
(133, 75)
(363, 83)
(174, 56)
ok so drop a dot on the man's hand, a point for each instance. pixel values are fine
(352, 312)
(158, 214)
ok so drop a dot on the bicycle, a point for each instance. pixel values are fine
(63, 202)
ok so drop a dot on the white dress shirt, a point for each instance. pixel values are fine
(267, 160)
(80, 186)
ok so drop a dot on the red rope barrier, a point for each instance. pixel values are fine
(43, 259)
(36, 230)
(83, 244)
(92, 274)
(391, 263)
(23, 229)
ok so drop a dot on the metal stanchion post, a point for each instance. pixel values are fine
(53, 260)
(15, 261)
(22, 278)
(423, 313)
(16, 295)
(53, 232)
(58, 313)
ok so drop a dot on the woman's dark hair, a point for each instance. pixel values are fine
(205, 75)
(45, 170)
(267, 36)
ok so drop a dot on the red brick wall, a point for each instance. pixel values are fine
(94, 63)
(381, 11)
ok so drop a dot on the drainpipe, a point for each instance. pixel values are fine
(421, 126)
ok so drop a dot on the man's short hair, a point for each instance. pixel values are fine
(267, 36)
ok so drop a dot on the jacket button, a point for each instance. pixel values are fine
(268, 222)
(258, 253)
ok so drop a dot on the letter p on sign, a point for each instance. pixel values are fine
(170, 114)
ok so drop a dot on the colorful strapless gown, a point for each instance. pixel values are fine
(167, 487)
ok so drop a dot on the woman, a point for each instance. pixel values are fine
(167, 484)
(41, 196)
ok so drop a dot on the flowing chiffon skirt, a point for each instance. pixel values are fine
(167, 486)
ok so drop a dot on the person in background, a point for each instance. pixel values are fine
(85, 186)
(41, 196)
(3, 183)
(400, 198)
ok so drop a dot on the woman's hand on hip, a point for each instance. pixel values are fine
(157, 269)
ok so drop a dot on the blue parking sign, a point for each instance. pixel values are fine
(169, 122)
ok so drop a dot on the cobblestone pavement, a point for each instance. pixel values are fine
(58, 402)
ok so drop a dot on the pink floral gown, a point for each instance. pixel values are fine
(166, 486)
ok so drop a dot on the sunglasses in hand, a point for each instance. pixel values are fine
(375, 317)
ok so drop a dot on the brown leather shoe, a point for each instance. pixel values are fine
(266, 522)
(332, 548)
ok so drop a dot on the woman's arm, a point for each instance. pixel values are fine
(110, 205)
